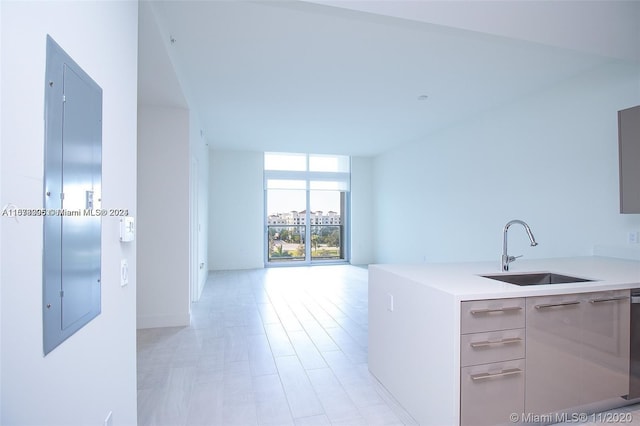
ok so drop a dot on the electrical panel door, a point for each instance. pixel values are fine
(72, 187)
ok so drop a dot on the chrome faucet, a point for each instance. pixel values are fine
(506, 259)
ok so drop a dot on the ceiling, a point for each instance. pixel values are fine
(361, 77)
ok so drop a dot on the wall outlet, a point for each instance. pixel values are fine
(634, 237)
(389, 302)
(124, 273)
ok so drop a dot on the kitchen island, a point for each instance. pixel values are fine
(454, 347)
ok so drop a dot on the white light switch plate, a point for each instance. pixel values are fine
(127, 229)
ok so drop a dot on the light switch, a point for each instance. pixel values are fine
(389, 302)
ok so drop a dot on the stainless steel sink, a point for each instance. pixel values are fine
(537, 278)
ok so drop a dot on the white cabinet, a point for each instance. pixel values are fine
(492, 350)
(577, 350)
(629, 152)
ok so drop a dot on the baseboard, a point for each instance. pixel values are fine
(156, 321)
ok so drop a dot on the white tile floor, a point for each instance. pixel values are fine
(278, 346)
(629, 415)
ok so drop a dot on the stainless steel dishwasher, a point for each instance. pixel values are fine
(634, 347)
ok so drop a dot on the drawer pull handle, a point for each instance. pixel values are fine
(507, 372)
(496, 342)
(556, 305)
(609, 299)
(498, 310)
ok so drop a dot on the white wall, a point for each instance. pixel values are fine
(1, 206)
(550, 159)
(362, 211)
(199, 223)
(94, 371)
(236, 213)
(160, 96)
(236, 210)
(163, 217)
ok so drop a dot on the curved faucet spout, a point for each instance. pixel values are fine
(506, 259)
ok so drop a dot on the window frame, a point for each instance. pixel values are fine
(342, 178)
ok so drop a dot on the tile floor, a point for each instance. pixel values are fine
(629, 415)
(277, 346)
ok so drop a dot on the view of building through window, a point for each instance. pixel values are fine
(306, 207)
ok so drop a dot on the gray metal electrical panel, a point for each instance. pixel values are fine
(72, 188)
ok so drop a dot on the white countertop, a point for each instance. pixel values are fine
(463, 280)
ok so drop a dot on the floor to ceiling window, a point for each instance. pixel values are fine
(306, 208)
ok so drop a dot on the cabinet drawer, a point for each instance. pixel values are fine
(493, 314)
(493, 346)
(490, 393)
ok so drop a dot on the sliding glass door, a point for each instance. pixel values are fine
(306, 208)
(327, 231)
(287, 233)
